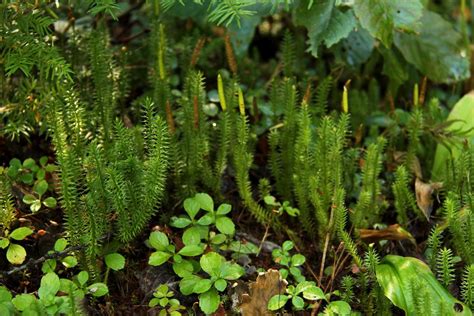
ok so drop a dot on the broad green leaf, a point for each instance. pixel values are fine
(115, 261)
(29, 199)
(207, 219)
(209, 301)
(158, 258)
(192, 236)
(186, 285)
(202, 286)
(29, 163)
(41, 174)
(231, 271)
(158, 240)
(98, 289)
(43, 161)
(180, 222)
(436, 51)
(41, 187)
(205, 201)
(297, 302)
(463, 116)
(35, 207)
(23, 301)
(49, 285)
(16, 254)
(394, 66)
(60, 244)
(313, 293)
(15, 163)
(183, 268)
(297, 260)
(83, 277)
(243, 247)
(50, 202)
(277, 302)
(69, 261)
(192, 207)
(5, 295)
(396, 276)
(49, 266)
(357, 47)
(223, 209)
(218, 239)
(67, 286)
(287, 245)
(191, 250)
(211, 263)
(325, 23)
(21, 233)
(303, 286)
(225, 225)
(338, 308)
(27, 178)
(4, 242)
(382, 17)
(220, 285)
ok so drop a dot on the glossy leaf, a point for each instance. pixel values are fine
(436, 51)
(225, 225)
(396, 274)
(98, 289)
(325, 23)
(115, 261)
(205, 201)
(277, 302)
(211, 263)
(16, 254)
(463, 116)
(158, 240)
(21, 233)
(158, 258)
(381, 17)
(49, 285)
(209, 301)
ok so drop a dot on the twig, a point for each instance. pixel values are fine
(31, 262)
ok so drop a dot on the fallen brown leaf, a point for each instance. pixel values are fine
(424, 198)
(267, 285)
(392, 232)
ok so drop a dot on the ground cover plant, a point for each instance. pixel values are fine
(236, 157)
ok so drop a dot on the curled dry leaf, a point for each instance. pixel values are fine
(392, 232)
(424, 197)
(267, 285)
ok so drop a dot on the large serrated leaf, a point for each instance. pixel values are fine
(436, 51)
(396, 275)
(382, 17)
(325, 23)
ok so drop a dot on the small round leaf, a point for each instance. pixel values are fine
(98, 289)
(115, 261)
(50, 202)
(225, 225)
(21, 233)
(277, 302)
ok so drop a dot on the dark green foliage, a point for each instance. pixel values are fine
(445, 267)
(404, 199)
(101, 67)
(467, 286)
(367, 209)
